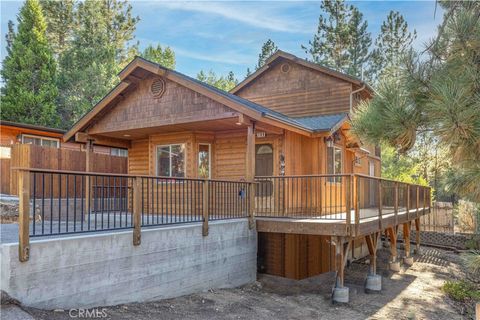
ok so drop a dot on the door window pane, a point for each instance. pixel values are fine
(178, 160)
(334, 162)
(204, 161)
(163, 161)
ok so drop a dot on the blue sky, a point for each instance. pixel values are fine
(228, 35)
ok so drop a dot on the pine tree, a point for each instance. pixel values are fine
(342, 41)
(59, 15)
(10, 36)
(436, 92)
(268, 49)
(98, 50)
(391, 46)
(30, 91)
(224, 83)
(164, 57)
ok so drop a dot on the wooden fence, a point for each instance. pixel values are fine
(32, 156)
(440, 219)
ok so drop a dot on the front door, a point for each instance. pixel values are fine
(264, 167)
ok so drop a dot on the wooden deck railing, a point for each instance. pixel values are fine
(350, 198)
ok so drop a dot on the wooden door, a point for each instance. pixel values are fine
(264, 167)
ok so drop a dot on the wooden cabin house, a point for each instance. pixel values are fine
(291, 118)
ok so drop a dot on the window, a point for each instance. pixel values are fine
(171, 160)
(40, 141)
(204, 161)
(119, 152)
(334, 162)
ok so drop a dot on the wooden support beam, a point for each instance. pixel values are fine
(137, 210)
(251, 205)
(348, 198)
(250, 154)
(206, 209)
(372, 243)
(24, 216)
(406, 238)
(392, 235)
(103, 141)
(341, 261)
(417, 234)
(356, 203)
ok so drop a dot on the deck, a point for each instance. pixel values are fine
(336, 224)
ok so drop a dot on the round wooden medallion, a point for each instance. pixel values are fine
(285, 67)
(157, 88)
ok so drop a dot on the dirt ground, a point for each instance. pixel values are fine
(413, 293)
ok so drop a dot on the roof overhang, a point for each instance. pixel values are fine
(140, 63)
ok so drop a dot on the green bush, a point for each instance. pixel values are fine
(461, 291)
(471, 260)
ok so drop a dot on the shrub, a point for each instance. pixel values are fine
(461, 291)
(471, 260)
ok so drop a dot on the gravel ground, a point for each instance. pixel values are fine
(412, 293)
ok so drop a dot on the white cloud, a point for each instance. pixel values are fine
(260, 16)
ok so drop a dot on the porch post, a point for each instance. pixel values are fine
(341, 293)
(406, 239)
(417, 235)
(250, 172)
(24, 215)
(374, 281)
(392, 234)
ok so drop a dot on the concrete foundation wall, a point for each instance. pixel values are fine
(106, 269)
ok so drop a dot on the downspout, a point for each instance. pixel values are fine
(351, 97)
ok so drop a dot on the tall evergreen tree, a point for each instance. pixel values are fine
(99, 48)
(10, 35)
(29, 93)
(225, 83)
(268, 49)
(342, 41)
(438, 92)
(163, 56)
(392, 44)
(59, 15)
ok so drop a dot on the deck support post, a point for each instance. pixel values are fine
(205, 208)
(340, 292)
(417, 235)
(373, 283)
(408, 259)
(394, 265)
(137, 211)
(250, 172)
(24, 215)
(348, 205)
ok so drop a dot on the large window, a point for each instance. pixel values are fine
(40, 141)
(334, 162)
(171, 160)
(204, 161)
(119, 152)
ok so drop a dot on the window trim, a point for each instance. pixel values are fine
(209, 158)
(41, 138)
(170, 159)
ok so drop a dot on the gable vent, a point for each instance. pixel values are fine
(157, 88)
(285, 67)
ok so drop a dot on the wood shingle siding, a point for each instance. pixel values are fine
(299, 92)
(140, 109)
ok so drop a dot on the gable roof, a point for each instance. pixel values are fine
(279, 54)
(247, 107)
